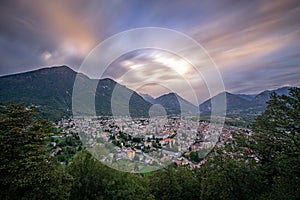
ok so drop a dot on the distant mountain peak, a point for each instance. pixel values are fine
(108, 80)
(171, 94)
(58, 70)
(147, 97)
(175, 104)
(245, 103)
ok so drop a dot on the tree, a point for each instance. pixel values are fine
(262, 165)
(26, 170)
(88, 176)
(277, 145)
(175, 182)
(93, 180)
(231, 172)
(279, 126)
(194, 156)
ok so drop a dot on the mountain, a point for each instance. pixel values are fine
(122, 100)
(175, 105)
(248, 97)
(245, 104)
(262, 98)
(234, 103)
(148, 98)
(50, 89)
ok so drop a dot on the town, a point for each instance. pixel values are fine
(148, 143)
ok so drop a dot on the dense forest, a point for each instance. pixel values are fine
(264, 165)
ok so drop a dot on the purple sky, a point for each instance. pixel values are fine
(255, 44)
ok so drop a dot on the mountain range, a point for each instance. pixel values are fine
(50, 90)
(241, 104)
(173, 104)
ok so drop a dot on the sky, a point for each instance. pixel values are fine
(254, 44)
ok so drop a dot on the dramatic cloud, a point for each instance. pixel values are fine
(156, 71)
(254, 43)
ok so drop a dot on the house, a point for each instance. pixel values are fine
(162, 136)
(170, 141)
(178, 162)
(130, 154)
(148, 144)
